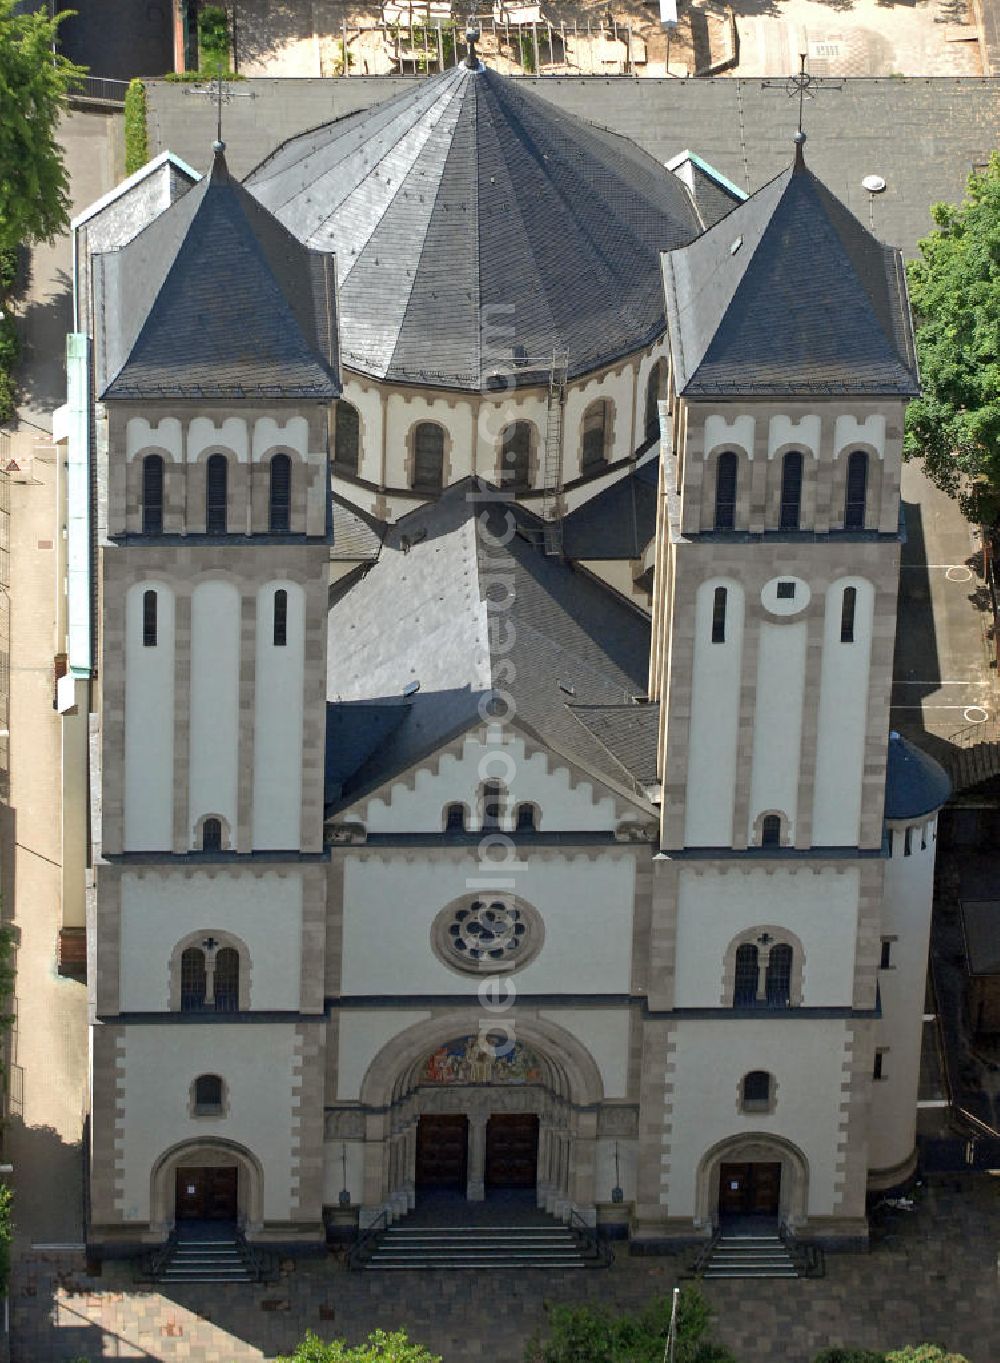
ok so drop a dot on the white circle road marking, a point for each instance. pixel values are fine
(975, 714)
(959, 573)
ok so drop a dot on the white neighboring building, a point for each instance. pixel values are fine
(524, 815)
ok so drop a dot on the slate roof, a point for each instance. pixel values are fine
(618, 522)
(914, 783)
(629, 732)
(356, 535)
(789, 293)
(469, 202)
(215, 299)
(420, 615)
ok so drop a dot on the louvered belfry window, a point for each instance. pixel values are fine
(280, 498)
(216, 494)
(152, 494)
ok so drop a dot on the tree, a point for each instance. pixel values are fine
(924, 1353)
(589, 1334)
(34, 83)
(955, 292)
(378, 1348)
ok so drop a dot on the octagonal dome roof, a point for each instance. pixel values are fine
(477, 226)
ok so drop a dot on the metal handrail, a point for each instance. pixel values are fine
(368, 1235)
(969, 737)
(153, 1263)
(600, 1251)
(808, 1259)
(262, 1266)
(700, 1261)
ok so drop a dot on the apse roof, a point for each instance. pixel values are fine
(215, 298)
(914, 783)
(787, 294)
(477, 225)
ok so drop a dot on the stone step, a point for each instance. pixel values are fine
(475, 1261)
(750, 1273)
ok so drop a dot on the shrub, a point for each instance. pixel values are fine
(378, 1348)
(213, 40)
(136, 140)
(587, 1334)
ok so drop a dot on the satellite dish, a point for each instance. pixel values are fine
(873, 183)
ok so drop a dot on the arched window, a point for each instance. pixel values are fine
(778, 983)
(149, 619)
(152, 494)
(847, 609)
(756, 1091)
(770, 831)
(280, 631)
(653, 385)
(526, 818)
(596, 427)
(347, 437)
(719, 615)
(428, 456)
(207, 1095)
(216, 494)
(515, 455)
(227, 980)
(279, 516)
(454, 818)
(857, 491)
(492, 804)
(745, 990)
(725, 490)
(211, 835)
(791, 490)
(194, 978)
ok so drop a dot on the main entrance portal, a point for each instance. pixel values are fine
(442, 1152)
(206, 1194)
(749, 1189)
(512, 1150)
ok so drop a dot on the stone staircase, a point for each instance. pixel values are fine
(763, 1255)
(457, 1247)
(975, 756)
(222, 1256)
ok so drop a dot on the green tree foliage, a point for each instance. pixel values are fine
(213, 40)
(924, 1353)
(136, 138)
(955, 292)
(589, 1334)
(379, 1347)
(6, 1235)
(34, 83)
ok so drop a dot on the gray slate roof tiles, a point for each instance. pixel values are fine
(618, 522)
(789, 293)
(216, 299)
(471, 204)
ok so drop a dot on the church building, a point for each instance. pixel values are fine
(497, 543)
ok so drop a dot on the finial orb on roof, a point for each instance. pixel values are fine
(472, 34)
(799, 137)
(218, 147)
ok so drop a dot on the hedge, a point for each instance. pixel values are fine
(136, 140)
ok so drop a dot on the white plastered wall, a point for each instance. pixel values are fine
(215, 691)
(279, 701)
(158, 1077)
(149, 723)
(618, 389)
(159, 910)
(715, 713)
(781, 678)
(363, 1033)
(807, 1059)
(391, 901)
(843, 719)
(821, 909)
(605, 1034)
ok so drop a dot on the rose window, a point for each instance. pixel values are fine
(487, 929)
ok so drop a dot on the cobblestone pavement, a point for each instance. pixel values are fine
(932, 1274)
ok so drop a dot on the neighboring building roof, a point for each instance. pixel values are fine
(787, 294)
(419, 622)
(619, 522)
(467, 205)
(981, 923)
(216, 299)
(629, 732)
(914, 783)
(356, 535)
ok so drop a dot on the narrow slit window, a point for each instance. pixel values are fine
(885, 959)
(149, 619)
(652, 402)
(152, 494)
(725, 491)
(216, 494)
(857, 491)
(847, 609)
(878, 1069)
(280, 499)
(791, 490)
(747, 972)
(280, 637)
(719, 615)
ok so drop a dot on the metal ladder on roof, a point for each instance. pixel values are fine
(552, 466)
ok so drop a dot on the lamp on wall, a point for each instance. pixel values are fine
(344, 1196)
(617, 1192)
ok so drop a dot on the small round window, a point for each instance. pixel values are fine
(492, 932)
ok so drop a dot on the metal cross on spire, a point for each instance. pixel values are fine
(221, 91)
(804, 84)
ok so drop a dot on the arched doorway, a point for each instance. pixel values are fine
(753, 1176)
(209, 1180)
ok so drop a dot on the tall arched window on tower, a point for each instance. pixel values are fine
(428, 457)
(847, 610)
(778, 984)
(596, 427)
(725, 490)
(515, 455)
(149, 619)
(194, 979)
(227, 980)
(653, 384)
(719, 615)
(857, 491)
(791, 490)
(745, 988)
(152, 494)
(347, 437)
(216, 494)
(279, 636)
(279, 517)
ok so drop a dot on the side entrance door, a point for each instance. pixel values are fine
(206, 1194)
(442, 1152)
(512, 1150)
(749, 1189)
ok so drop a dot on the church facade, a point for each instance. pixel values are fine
(498, 543)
